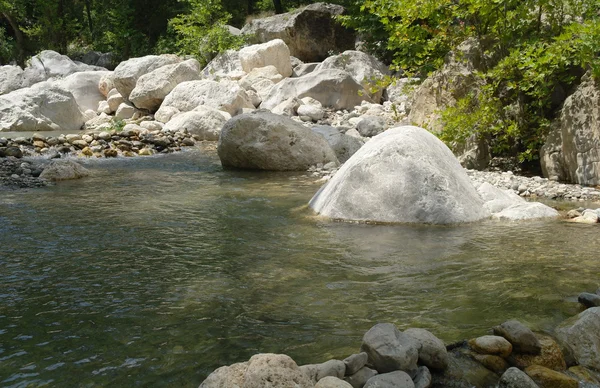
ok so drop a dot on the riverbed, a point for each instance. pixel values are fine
(155, 271)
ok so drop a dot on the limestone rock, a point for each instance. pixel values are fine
(11, 78)
(403, 175)
(364, 68)
(370, 126)
(505, 204)
(84, 87)
(265, 141)
(226, 65)
(275, 370)
(355, 362)
(494, 363)
(520, 336)
(50, 64)
(227, 96)
(589, 300)
(43, 107)
(582, 334)
(125, 111)
(390, 350)
(332, 88)
(515, 378)
(127, 73)
(226, 376)
(423, 379)
(343, 145)
(274, 52)
(311, 32)
(61, 170)
(152, 88)
(433, 352)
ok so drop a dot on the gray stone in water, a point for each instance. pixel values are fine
(515, 378)
(335, 368)
(359, 379)
(389, 349)
(403, 175)
(355, 362)
(397, 379)
(423, 379)
(60, 170)
(589, 300)
(433, 350)
(265, 141)
(370, 126)
(582, 335)
(520, 336)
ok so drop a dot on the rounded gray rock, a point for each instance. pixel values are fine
(390, 350)
(520, 336)
(433, 352)
(397, 379)
(516, 378)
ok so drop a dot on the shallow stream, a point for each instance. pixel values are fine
(155, 271)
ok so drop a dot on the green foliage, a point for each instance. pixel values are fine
(201, 32)
(7, 47)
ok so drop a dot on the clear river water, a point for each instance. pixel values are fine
(155, 271)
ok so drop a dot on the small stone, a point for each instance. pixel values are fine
(39, 144)
(110, 153)
(491, 344)
(332, 382)
(87, 151)
(423, 379)
(520, 336)
(104, 135)
(334, 368)
(494, 363)
(589, 300)
(397, 379)
(548, 378)
(145, 152)
(359, 379)
(515, 378)
(81, 144)
(355, 362)
(573, 214)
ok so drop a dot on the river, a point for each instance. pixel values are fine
(155, 271)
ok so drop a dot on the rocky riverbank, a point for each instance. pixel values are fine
(510, 356)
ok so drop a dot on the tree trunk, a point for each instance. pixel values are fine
(88, 8)
(250, 9)
(278, 6)
(19, 38)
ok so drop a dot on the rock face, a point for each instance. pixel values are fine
(582, 335)
(84, 87)
(310, 32)
(332, 88)
(227, 96)
(43, 107)
(128, 72)
(262, 370)
(62, 170)
(390, 350)
(152, 88)
(265, 141)
(572, 151)
(364, 68)
(273, 53)
(403, 175)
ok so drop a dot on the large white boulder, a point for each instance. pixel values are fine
(404, 175)
(275, 53)
(262, 140)
(332, 88)
(11, 78)
(128, 72)
(204, 122)
(226, 95)
(364, 68)
(507, 205)
(84, 87)
(152, 88)
(42, 107)
(226, 65)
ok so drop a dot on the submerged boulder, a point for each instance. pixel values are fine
(506, 205)
(311, 33)
(403, 175)
(265, 141)
(582, 336)
(62, 170)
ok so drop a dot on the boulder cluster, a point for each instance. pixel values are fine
(510, 356)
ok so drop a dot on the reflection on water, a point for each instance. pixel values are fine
(155, 271)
